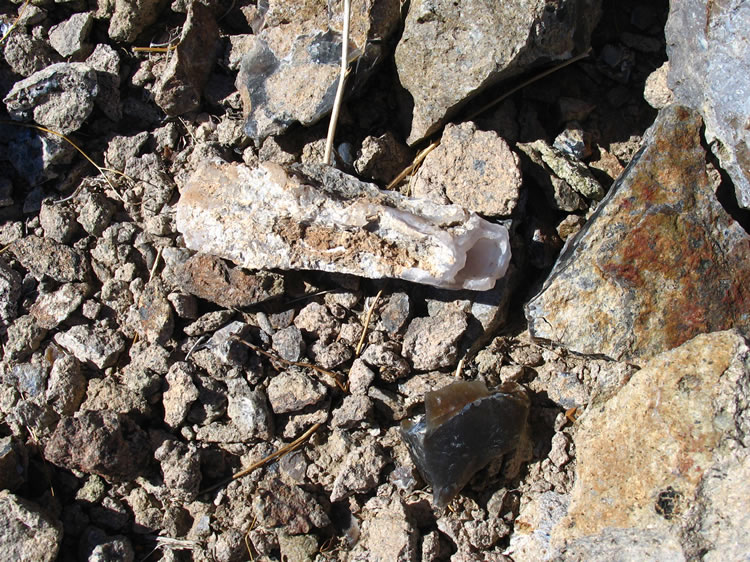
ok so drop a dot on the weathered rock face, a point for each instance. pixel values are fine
(60, 97)
(451, 51)
(658, 263)
(179, 88)
(708, 56)
(474, 169)
(319, 218)
(27, 532)
(666, 459)
(290, 70)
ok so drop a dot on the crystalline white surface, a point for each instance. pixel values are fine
(318, 218)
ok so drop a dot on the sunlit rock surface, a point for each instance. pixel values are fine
(659, 262)
(318, 218)
(464, 427)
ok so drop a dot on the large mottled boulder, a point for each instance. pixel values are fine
(451, 51)
(658, 263)
(663, 466)
(290, 70)
(709, 56)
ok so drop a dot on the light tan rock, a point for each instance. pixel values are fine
(667, 457)
(471, 168)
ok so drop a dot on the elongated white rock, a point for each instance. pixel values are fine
(316, 217)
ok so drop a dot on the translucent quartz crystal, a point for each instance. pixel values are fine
(463, 428)
(316, 217)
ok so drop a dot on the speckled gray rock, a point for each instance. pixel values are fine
(474, 169)
(682, 493)
(180, 393)
(60, 97)
(382, 158)
(13, 463)
(316, 217)
(106, 62)
(98, 345)
(635, 281)
(69, 37)
(27, 532)
(26, 54)
(10, 292)
(290, 391)
(450, 51)
(51, 309)
(42, 256)
(24, 337)
(130, 17)
(248, 410)
(360, 470)
(288, 343)
(66, 385)
(290, 70)
(432, 343)
(179, 87)
(708, 71)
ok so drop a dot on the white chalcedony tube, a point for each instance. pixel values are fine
(318, 218)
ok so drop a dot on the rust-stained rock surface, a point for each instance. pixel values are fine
(658, 263)
(211, 278)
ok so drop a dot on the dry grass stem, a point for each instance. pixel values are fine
(340, 90)
(411, 167)
(15, 23)
(274, 357)
(265, 460)
(100, 169)
(367, 322)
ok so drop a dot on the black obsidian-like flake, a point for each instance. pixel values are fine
(463, 428)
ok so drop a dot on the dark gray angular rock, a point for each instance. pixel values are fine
(708, 56)
(451, 51)
(27, 533)
(464, 427)
(37, 156)
(60, 97)
(58, 221)
(104, 443)
(66, 385)
(13, 463)
(248, 409)
(106, 62)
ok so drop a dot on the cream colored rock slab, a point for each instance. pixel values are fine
(318, 218)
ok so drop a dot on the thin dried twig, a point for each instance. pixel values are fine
(340, 90)
(411, 167)
(265, 460)
(274, 357)
(421, 156)
(15, 23)
(367, 322)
